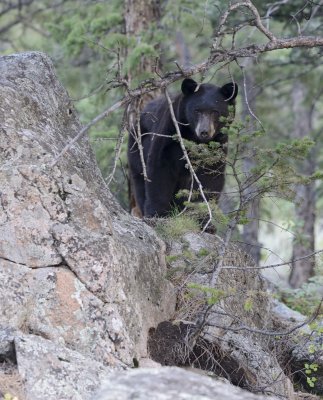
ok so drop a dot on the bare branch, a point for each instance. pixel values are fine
(258, 23)
(138, 138)
(274, 265)
(118, 147)
(83, 131)
(246, 98)
(272, 333)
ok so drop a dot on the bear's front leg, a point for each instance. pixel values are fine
(160, 192)
(164, 169)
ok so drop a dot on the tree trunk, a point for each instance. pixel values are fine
(137, 17)
(182, 50)
(304, 242)
(250, 230)
(139, 14)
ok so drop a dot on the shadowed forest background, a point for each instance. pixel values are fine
(103, 49)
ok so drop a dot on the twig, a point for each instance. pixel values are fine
(117, 150)
(246, 98)
(309, 320)
(234, 7)
(274, 265)
(83, 131)
(190, 166)
(138, 138)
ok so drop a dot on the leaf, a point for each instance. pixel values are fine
(309, 382)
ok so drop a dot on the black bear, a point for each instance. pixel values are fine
(197, 109)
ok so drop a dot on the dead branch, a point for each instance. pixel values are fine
(309, 320)
(87, 127)
(138, 138)
(117, 149)
(274, 265)
(257, 22)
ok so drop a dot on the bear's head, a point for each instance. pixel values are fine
(204, 105)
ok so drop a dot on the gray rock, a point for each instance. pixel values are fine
(74, 267)
(52, 372)
(285, 314)
(169, 383)
(7, 347)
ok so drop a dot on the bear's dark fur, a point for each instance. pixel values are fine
(198, 110)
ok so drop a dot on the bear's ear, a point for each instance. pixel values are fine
(229, 91)
(188, 86)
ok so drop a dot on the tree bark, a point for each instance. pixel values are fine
(304, 241)
(251, 230)
(139, 14)
(183, 50)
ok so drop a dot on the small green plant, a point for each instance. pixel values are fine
(213, 296)
(173, 258)
(203, 252)
(309, 369)
(175, 227)
(248, 304)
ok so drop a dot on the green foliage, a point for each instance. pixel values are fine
(78, 27)
(203, 252)
(177, 226)
(274, 173)
(309, 369)
(213, 295)
(100, 25)
(141, 50)
(248, 304)
(305, 299)
(118, 41)
(311, 381)
(173, 258)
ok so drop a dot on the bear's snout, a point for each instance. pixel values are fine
(204, 134)
(205, 129)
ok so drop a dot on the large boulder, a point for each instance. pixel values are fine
(75, 268)
(170, 383)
